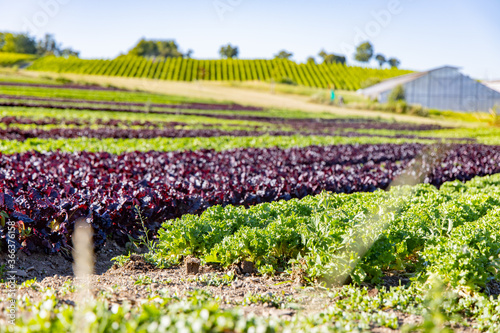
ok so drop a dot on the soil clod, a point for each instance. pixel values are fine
(138, 263)
(192, 265)
(246, 267)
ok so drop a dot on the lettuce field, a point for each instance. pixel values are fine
(219, 217)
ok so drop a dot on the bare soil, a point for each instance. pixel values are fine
(137, 280)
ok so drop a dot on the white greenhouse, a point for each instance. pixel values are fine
(443, 88)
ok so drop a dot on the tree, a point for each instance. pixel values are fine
(20, 43)
(69, 53)
(8, 44)
(24, 43)
(168, 48)
(144, 48)
(156, 48)
(330, 58)
(311, 60)
(229, 51)
(381, 60)
(189, 53)
(47, 45)
(364, 52)
(2, 40)
(283, 54)
(394, 63)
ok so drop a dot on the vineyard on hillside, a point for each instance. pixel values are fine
(183, 69)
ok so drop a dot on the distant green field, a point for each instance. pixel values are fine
(10, 59)
(182, 69)
(99, 95)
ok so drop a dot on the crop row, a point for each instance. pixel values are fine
(59, 86)
(84, 92)
(326, 125)
(15, 120)
(301, 124)
(451, 233)
(22, 134)
(220, 143)
(13, 133)
(71, 106)
(187, 106)
(44, 193)
(181, 69)
(115, 106)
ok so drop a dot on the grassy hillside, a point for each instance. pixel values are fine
(10, 59)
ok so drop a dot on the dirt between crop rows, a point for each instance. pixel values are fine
(137, 280)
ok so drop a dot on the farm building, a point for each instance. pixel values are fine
(443, 88)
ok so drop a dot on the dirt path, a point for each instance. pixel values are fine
(220, 93)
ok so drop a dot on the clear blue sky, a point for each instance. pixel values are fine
(423, 34)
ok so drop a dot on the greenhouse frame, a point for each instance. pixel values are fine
(443, 88)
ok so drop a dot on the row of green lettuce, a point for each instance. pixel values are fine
(119, 146)
(418, 231)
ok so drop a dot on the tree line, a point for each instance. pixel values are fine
(365, 52)
(23, 43)
(26, 44)
(169, 48)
